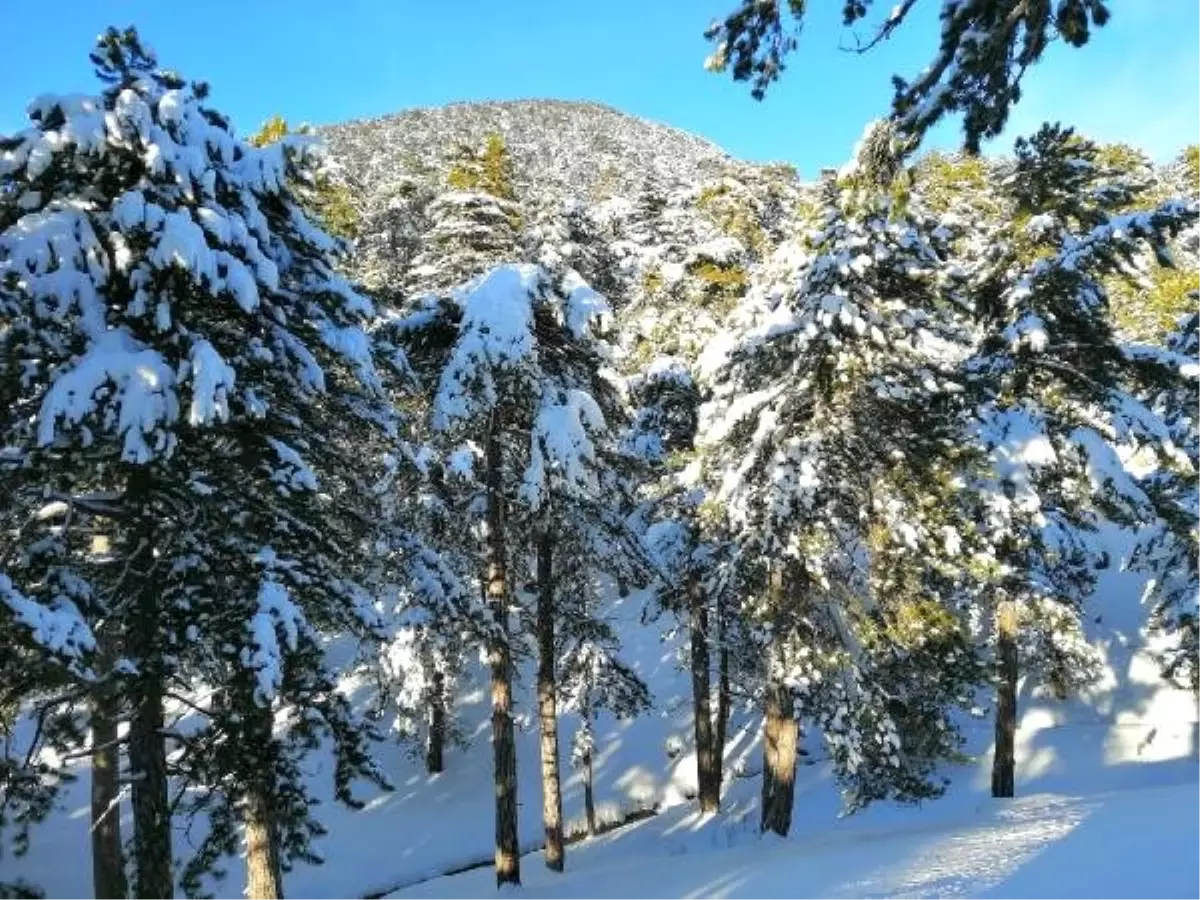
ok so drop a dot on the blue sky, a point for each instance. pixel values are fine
(323, 62)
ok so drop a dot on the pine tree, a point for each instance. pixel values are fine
(507, 358)
(830, 385)
(594, 681)
(1058, 394)
(984, 51)
(193, 340)
(475, 225)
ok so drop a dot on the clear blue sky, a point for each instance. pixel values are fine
(325, 62)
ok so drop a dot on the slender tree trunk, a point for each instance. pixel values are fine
(108, 861)
(435, 740)
(779, 759)
(708, 771)
(723, 698)
(147, 744)
(508, 860)
(1003, 764)
(589, 798)
(547, 706)
(780, 730)
(264, 873)
(151, 800)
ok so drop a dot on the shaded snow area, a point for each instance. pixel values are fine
(1107, 802)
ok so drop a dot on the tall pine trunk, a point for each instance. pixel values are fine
(153, 864)
(589, 797)
(151, 800)
(780, 730)
(1004, 762)
(108, 861)
(435, 738)
(779, 759)
(708, 772)
(508, 860)
(723, 699)
(264, 872)
(547, 706)
(264, 866)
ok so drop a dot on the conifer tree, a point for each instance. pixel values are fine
(984, 50)
(193, 342)
(507, 358)
(830, 385)
(1058, 394)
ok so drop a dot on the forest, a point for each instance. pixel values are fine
(307, 435)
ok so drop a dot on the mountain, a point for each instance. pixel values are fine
(559, 148)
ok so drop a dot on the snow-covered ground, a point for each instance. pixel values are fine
(1108, 805)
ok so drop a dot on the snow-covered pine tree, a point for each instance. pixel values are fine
(507, 361)
(471, 227)
(1058, 401)
(840, 377)
(574, 501)
(183, 341)
(594, 681)
(984, 50)
(690, 555)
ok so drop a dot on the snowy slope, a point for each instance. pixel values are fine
(1107, 783)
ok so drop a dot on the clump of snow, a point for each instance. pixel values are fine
(562, 453)
(276, 614)
(495, 335)
(59, 628)
(142, 403)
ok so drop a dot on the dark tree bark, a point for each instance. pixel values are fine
(547, 706)
(153, 864)
(723, 698)
(151, 801)
(508, 860)
(589, 797)
(108, 860)
(264, 873)
(1004, 762)
(435, 738)
(779, 759)
(708, 771)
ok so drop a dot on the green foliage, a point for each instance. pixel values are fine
(945, 180)
(1190, 157)
(330, 201)
(272, 130)
(652, 282)
(488, 171)
(734, 215)
(985, 49)
(723, 285)
(1149, 312)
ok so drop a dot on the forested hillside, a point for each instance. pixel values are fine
(388, 477)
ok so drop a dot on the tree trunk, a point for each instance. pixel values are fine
(547, 706)
(108, 861)
(779, 759)
(508, 860)
(147, 745)
(708, 772)
(264, 873)
(151, 800)
(589, 797)
(435, 739)
(1003, 763)
(723, 698)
